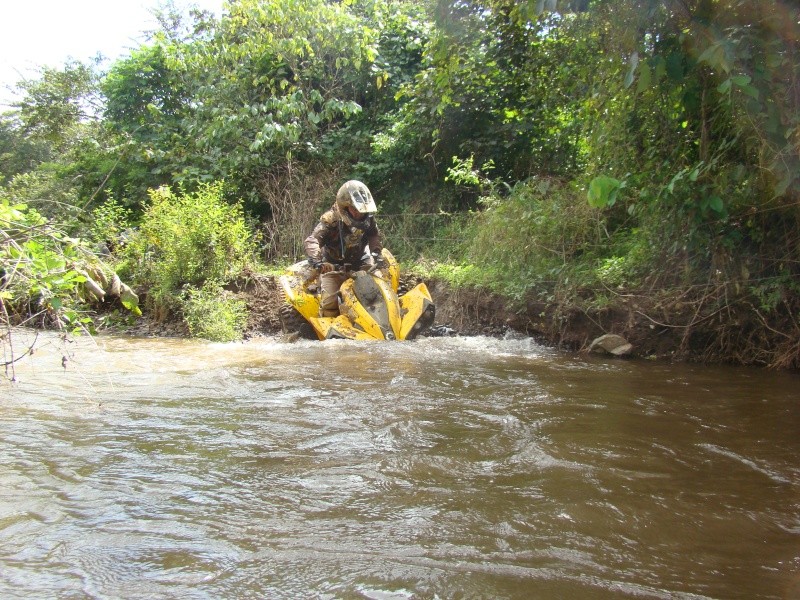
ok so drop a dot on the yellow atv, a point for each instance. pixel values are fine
(369, 305)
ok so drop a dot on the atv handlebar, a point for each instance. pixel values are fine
(379, 263)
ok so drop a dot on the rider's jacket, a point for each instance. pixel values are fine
(342, 240)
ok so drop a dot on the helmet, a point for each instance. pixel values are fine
(355, 194)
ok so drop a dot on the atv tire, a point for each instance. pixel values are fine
(293, 322)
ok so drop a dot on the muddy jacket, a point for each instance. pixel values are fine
(334, 241)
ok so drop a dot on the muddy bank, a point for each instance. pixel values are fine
(685, 328)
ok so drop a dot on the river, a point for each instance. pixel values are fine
(436, 469)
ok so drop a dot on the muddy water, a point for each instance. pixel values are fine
(442, 468)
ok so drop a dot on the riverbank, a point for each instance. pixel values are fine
(686, 327)
(691, 326)
(677, 329)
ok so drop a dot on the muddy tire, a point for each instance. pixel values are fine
(405, 285)
(423, 325)
(293, 322)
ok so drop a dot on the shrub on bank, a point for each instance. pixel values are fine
(212, 315)
(183, 242)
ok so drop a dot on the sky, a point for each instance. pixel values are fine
(37, 33)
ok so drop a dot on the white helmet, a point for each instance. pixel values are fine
(356, 194)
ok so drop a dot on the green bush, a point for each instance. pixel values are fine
(185, 240)
(213, 316)
(48, 193)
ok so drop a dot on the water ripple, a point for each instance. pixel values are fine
(444, 468)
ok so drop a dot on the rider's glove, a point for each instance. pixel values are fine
(380, 262)
(322, 266)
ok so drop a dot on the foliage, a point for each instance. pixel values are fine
(296, 197)
(464, 173)
(562, 147)
(57, 131)
(45, 190)
(213, 316)
(39, 276)
(413, 235)
(384, 138)
(701, 116)
(58, 102)
(146, 101)
(19, 152)
(603, 191)
(455, 275)
(109, 224)
(530, 238)
(269, 82)
(45, 277)
(504, 91)
(186, 239)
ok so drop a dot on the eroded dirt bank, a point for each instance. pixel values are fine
(681, 329)
(686, 328)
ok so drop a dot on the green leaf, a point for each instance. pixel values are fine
(634, 62)
(714, 56)
(129, 304)
(674, 66)
(678, 176)
(715, 203)
(661, 67)
(750, 91)
(603, 191)
(628, 79)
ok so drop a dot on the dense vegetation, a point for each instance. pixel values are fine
(575, 152)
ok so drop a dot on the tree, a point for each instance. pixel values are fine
(270, 82)
(147, 101)
(58, 102)
(18, 152)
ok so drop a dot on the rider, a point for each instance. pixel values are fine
(341, 240)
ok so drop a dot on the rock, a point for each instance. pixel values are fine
(611, 344)
(93, 288)
(114, 288)
(441, 331)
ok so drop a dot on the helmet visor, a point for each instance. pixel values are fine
(362, 201)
